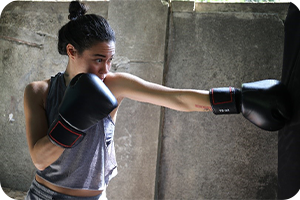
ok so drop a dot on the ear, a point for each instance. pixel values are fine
(71, 51)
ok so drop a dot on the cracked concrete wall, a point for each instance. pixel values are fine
(199, 155)
(28, 51)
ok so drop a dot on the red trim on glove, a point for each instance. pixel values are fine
(230, 101)
(79, 135)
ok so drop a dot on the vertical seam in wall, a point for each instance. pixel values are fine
(162, 112)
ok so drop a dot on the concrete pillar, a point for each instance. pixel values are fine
(140, 28)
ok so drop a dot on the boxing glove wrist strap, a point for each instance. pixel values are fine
(62, 134)
(225, 100)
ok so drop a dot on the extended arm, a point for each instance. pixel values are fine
(264, 103)
(124, 85)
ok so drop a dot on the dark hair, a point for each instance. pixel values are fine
(83, 31)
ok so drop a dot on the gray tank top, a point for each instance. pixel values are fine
(91, 164)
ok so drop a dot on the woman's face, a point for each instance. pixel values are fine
(97, 59)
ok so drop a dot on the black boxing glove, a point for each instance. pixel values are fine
(266, 103)
(86, 101)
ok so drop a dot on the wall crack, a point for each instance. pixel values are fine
(18, 41)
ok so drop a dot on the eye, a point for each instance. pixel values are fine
(110, 59)
(99, 60)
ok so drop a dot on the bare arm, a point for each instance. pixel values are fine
(128, 86)
(42, 151)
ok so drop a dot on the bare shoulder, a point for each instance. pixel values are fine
(122, 79)
(117, 77)
(124, 85)
(37, 91)
(38, 86)
(120, 83)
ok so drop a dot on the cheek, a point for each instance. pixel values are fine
(84, 65)
(90, 67)
(93, 69)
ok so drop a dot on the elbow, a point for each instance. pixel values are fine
(38, 163)
(40, 166)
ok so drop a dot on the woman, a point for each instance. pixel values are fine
(83, 172)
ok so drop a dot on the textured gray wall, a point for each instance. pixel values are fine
(161, 153)
(140, 30)
(28, 51)
(219, 157)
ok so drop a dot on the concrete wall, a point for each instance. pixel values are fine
(140, 47)
(220, 157)
(161, 153)
(28, 51)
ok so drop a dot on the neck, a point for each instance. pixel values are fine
(69, 74)
(67, 78)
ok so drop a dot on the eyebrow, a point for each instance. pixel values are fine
(99, 55)
(103, 56)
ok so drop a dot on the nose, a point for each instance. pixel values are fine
(107, 67)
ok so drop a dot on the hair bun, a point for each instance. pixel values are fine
(76, 9)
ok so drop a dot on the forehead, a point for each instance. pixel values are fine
(104, 48)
